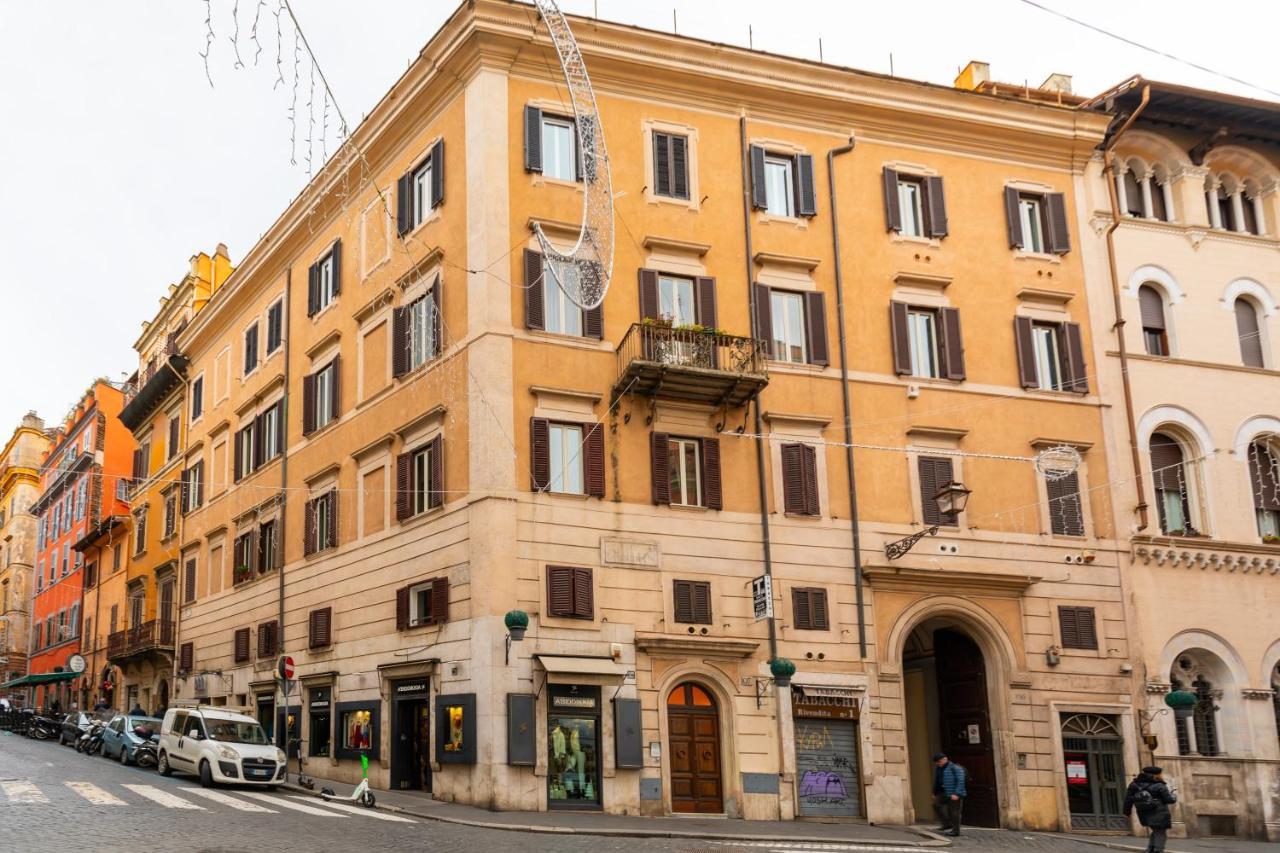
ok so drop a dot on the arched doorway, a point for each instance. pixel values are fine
(1094, 767)
(947, 710)
(162, 698)
(693, 733)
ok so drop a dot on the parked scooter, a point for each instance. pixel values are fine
(92, 738)
(361, 794)
(43, 728)
(145, 754)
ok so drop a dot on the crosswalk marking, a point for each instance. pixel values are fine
(281, 801)
(361, 810)
(164, 798)
(227, 800)
(22, 791)
(95, 795)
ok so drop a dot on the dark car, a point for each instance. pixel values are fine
(73, 725)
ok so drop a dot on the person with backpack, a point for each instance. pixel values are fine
(1149, 794)
(948, 793)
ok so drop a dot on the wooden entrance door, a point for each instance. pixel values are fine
(965, 722)
(694, 736)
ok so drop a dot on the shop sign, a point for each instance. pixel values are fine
(762, 597)
(1077, 772)
(824, 703)
(320, 699)
(588, 702)
(413, 687)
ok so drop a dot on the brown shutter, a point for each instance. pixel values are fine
(439, 601)
(659, 467)
(332, 498)
(308, 405)
(815, 318)
(1024, 344)
(435, 472)
(189, 581)
(683, 609)
(951, 347)
(186, 657)
(712, 495)
(1073, 345)
(1059, 230)
(184, 491)
(241, 645)
(1013, 218)
(662, 164)
(335, 387)
(1065, 515)
(560, 590)
(809, 457)
(584, 606)
(935, 472)
(532, 139)
(534, 307)
(313, 289)
(436, 294)
(402, 608)
(404, 486)
(138, 465)
(759, 193)
(309, 527)
(818, 605)
(264, 640)
(763, 297)
(593, 460)
(404, 202)
(1166, 463)
(1151, 307)
(259, 441)
(806, 197)
(593, 322)
(540, 453)
(702, 603)
(236, 463)
(899, 329)
(679, 167)
(801, 611)
(400, 341)
(936, 199)
(892, 208)
(793, 492)
(437, 173)
(1247, 332)
(319, 628)
(648, 294)
(705, 287)
(1079, 627)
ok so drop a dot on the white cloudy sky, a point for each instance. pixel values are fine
(121, 160)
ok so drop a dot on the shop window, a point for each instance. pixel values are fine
(357, 731)
(573, 743)
(321, 721)
(456, 728)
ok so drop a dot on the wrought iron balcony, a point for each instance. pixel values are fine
(156, 635)
(693, 364)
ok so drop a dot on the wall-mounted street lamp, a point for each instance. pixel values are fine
(951, 500)
(517, 622)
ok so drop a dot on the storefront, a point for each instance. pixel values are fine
(320, 721)
(828, 772)
(357, 730)
(410, 735)
(573, 743)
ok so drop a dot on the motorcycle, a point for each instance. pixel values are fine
(91, 738)
(145, 754)
(43, 728)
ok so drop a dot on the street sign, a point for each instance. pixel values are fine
(762, 597)
(76, 663)
(286, 668)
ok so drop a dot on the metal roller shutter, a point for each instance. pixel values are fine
(829, 779)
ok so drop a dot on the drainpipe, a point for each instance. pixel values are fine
(766, 545)
(844, 398)
(284, 469)
(1108, 172)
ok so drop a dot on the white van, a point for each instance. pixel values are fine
(219, 745)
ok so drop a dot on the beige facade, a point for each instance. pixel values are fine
(19, 487)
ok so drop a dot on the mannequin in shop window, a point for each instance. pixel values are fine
(559, 761)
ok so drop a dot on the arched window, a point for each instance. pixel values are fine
(1161, 209)
(1198, 734)
(1132, 193)
(1154, 333)
(1173, 494)
(1248, 210)
(1264, 477)
(1249, 332)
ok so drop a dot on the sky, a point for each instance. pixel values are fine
(122, 160)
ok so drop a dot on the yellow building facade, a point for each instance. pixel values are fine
(19, 488)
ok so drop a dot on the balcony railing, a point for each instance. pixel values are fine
(690, 364)
(149, 636)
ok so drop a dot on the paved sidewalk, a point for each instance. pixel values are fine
(691, 828)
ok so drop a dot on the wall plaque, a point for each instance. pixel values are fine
(624, 552)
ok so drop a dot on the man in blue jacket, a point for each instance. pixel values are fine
(948, 793)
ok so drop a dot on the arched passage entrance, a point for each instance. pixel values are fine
(693, 731)
(947, 707)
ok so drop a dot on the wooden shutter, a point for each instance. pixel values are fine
(662, 164)
(259, 442)
(1065, 514)
(659, 467)
(404, 202)
(309, 527)
(818, 607)
(683, 609)
(189, 581)
(936, 206)
(308, 405)
(593, 460)
(892, 206)
(400, 341)
(437, 173)
(1013, 218)
(648, 289)
(175, 424)
(815, 319)
(436, 295)
(584, 606)
(1264, 476)
(900, 332)
(759, 192)
(1079, 627)
(1059, 230)
(186, 657)
(560, 590)
(138, 464)
(951, 346)
(593, 322)
(540, 453)
(241, 645)
(534, 306)
(799, 480)
(935, 472)
(1024, 343)
(1247, 332)
(712, 494)
(237, 464)
(705, 289)
(335, 387)
(809, 458)
(404, 486)
(265, 640)
(198, 470)
(184, 491)
(763, 297)
(336, 254)
(1077, 379)
(692, 602)
(801, 609)
(679, 166)
(585, 165)
(532, 139)
(402, 608)
(332, 498)
(313, 289)
(320, 628)
(806, 198)
(1151, 308)
(1166, 464)
(435, 472)
(439, 601)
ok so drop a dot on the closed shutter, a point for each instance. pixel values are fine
(400, 341)
(712, 494)
(1264, 476)
(810, 466)
(759, 192)
(319, 628)
(892, 205)
(266, 640)
(308, 405)
(1059, 231)
(313, 289)
(583, 594)
(332, 498)
(1166, 464)
(900, 332)
(404, 203)
(1066, 517)
(435, 472)
(1077, 378)
(815, 318)
(1079, 627)
(809, 609)
(560, 591)
(648, 288)
(540, 453)
(660, 467)
(534, 305)
(259, 441)
(402, 608)
(1247, 332)
(174, 424)
(593, 460)
(237, 463)
(198, 471)
(693, 602)
(662, 164)
(309, 527)
(437, 173)
(138, 473)
(335, 387)
(793, 478)
(186, 657)
(404, 486)
(806, 197)
(184, 491)
(763, 297)
(1151, 307)
(679, 166)
(683, 608)
(936, 199)
(1025, 346)
(593, 318)
(532, 139)
(1013, 218)
(935, 472)
(436, 295)
(189, 581)
(705, 286)
(951, 347)
(439, 601)
(827, 765)
(241, 645)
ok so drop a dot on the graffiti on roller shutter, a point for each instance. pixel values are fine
(826, 764)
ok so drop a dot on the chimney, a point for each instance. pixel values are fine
(33, 421)
(1060, 83)
(973, 76)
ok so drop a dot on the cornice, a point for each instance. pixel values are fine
(1207, 554)
(694, 647)
(910, 579)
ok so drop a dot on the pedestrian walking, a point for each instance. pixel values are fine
(1149, 794)
(136, 711)
(949, 792)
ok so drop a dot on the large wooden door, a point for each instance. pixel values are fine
(965, 722)
(694, 734)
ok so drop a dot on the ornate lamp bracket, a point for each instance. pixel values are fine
(894, 550)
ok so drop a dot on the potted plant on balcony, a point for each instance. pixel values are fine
(241, 574)
(1271, 539)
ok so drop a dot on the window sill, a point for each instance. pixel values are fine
(433, 216)
(311, 436)
(315, 318)
(320, 552)
(580, 341)
(653, 198)
(419, 518)
(899, 237)
(1048, 257)
(694, 508)
(573, 496)
(539, 179)
(764, 218)
(804, 516)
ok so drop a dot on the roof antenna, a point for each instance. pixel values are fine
(820, 59)
(891, 65)
(751, 40)
(674, 28)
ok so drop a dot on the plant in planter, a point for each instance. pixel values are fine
(242, 574)
(517, 622)
(782, 670)
(1271, 539)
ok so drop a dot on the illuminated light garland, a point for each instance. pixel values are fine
(253, 33)
(208, 39)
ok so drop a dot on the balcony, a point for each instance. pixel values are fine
(152, 383)
(153, 636)
(692, 364)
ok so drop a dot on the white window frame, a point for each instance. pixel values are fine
(267, 550)
(787, 306)
(322, 521)
(140, 532)
(421, 194)
(192, 479)
(325, 296)
(566, 444)
(780, 185)
(246, 450)
(1031, 214)
(922, 337)
(554, 160)
(671, 289)
(422, 343)
(270, 430)
(677, 449)
(1048, 349)
(419, 479)
(416, 615)
(561, 315)
(911, 206)
(324, 395)
(269, 349)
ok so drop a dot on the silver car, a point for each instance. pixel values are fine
(124, 733)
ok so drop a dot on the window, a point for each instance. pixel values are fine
(922, 331)
(319, 630)
(1249, 333)
(269, 428)
(245, 440)
(421, 193)
(320, 397)
(566, 458)
(90, 575)
(809, 609)
(911, 205)
(1151, 308)
(1031, 216)
(787, 314)
(170, 514)
(1066, 517)
(244, 554)
(140, 531)
(197, 398)
(559, 148)
(1173, 497)
(685, 471)
(562, 314)
(800, 480)
(275, 326)
(321, 522)
(250, 348)
(189, 580)
(935, 472)
(240, 645)
(779, 185)
(914, 206)
(1078, 628)
(116, 554)
(692, 602)
(670, 165)
(1264, 476)
(419, 479)
(569, 592)
(1037, 221)
(1132, 193)
(324, 280)
(1203, 722)
(676, 300)
(422, 328)
(268, 639)
(429, 602)
(268, 546)
(122, 489)
(1048, 362)
(420, 190)
(82, 497)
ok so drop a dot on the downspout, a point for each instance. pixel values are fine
(284, 470)
(844, 399)
(765, 543)
(1108, 172)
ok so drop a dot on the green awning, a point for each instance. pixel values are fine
(41, 678)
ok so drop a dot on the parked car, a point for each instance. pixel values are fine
(219, 745)
(73, 726)
(124, 733)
